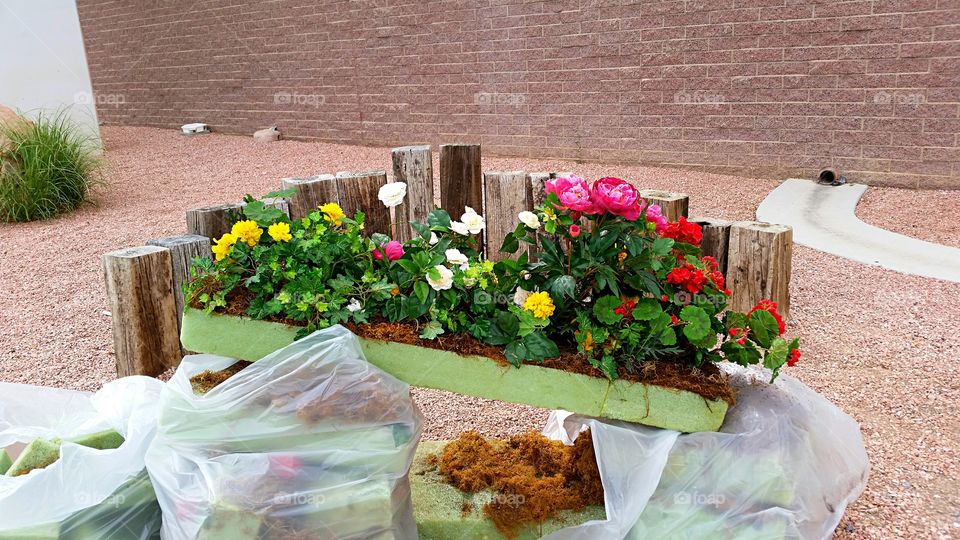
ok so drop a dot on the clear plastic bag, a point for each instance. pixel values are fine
(311, 440)
(785, 464)
(87, 493)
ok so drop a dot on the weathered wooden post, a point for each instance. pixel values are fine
(139, 283)
(413, 165)
(212, 221)
(535, 186)
(716, 239)
(183, 249)
(358, 191)
(461, 181)
(759, 259)
(673, 205)
(311, 193)
(280, 204)
(506, 196)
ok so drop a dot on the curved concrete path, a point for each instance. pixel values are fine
(823, 218)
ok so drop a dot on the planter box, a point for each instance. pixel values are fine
(479, 376)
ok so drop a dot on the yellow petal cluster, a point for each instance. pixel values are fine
(333, 213)
(221, 247)
(247, 231)
(280, 232)
(540, 304)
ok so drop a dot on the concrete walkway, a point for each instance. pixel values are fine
(823, 218)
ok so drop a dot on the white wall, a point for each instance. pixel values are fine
(43, 66)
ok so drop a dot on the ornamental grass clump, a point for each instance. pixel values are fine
(46, 168)
(615, 285)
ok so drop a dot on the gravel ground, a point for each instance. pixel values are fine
(913, 213)
(881, 345)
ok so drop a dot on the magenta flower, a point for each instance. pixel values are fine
(393, 250)
(617, 197)
(573, 192)
(655, 215)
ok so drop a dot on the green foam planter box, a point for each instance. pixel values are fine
(5, 461)
(438, 507)
(38, 454)
(479, 376)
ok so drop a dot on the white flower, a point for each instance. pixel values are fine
(529, 219)
(459, 228)
(455, 257)
(472, 221)
(354, 305)
(444, 282)
(520, 296)
(433, 238)
(392, 194)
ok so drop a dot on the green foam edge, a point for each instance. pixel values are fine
(479, 376)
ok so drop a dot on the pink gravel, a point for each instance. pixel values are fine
(881, 345)
(927, 215)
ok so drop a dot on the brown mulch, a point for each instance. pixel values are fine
(208, 380)
(534, 477)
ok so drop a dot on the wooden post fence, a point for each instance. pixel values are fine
(358, 191)
(212, 221)
(759, 261)
(311, 193)
(183, 249)
(716, 239)
(139, 283)
(413, 165)
(505, 194)
(673, 205)
(461, 180)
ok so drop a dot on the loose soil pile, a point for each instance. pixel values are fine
(534, 477)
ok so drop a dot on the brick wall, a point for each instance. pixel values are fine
(761, 87)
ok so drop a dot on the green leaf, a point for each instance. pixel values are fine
(563, 286)
(663, 246)
(668, 337)
(510, 244)
(698, 322)
(504, 329)
(647, 309)
(603, 310)
(422, 290)
(431, 330)
(776, 357)
(516, 352)
(281, 194)
(438, 218)
(740, 354)
(539, 347)
(763, 327)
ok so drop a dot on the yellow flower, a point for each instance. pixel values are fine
(622, 256)
(280, 232)
(222, 246)
(333, 213)
(540, 304)
(588, 342)
(247, 231)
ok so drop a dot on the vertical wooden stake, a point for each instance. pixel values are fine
(183, 249)
(716, 238)
(759, 260)
(535, 194)
(139, 283)
(358, 191)
(213, 221)
(311, 193)
(413, 165)
(673, 205)
(506, 196)
(461, 182)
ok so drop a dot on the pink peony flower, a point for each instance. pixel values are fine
(392, 249)
(573, 192)
(617, 197)
(655, 215)
(574, 231)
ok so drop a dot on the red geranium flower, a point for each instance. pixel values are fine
(794, 358)
(684, 231)
(688, 277)
(626, 308)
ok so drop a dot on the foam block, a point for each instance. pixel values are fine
(5, 461)
(227, 522)
(439, 507)
(479, 376)
(37, 455)
(102, 440)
